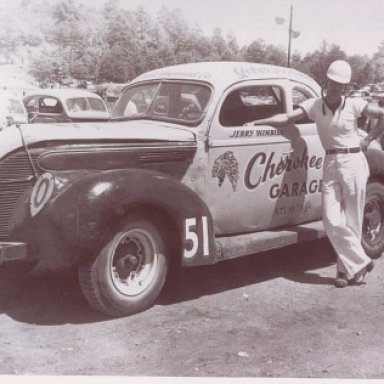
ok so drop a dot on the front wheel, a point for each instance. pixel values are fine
(128, 273)
(373, 221)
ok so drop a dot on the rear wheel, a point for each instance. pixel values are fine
(128, 273)
(373, 222)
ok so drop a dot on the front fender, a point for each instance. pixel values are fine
(84, 211)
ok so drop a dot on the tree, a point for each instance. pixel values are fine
(48, 66)
(378, 64)
(179, 41)
(296, 60)
(275, 55)
(255, 52)
(66, 39)
(316, 64)
(362, 69)
(202, 47)
(220, 49)
(67, 19)
(119, 45)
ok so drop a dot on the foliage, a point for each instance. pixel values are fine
(378, 64)
(67, 40)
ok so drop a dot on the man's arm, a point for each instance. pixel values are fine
(281, 118)
(376, 113)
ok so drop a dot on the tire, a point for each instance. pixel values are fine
(373, 222)
(129, 272)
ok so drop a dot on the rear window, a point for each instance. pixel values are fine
(96, 104)
(81, 104)
(77, 104)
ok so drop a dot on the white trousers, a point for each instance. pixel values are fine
(343, 197)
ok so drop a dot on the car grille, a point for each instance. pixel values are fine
(16, 176)
(163, 156)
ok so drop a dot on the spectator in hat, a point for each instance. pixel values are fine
(345, 170)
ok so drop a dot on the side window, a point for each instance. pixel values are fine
(298, 96)
(251, 103)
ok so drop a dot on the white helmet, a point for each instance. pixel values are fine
(340, 72)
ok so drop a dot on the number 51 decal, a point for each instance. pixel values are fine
(191, 237)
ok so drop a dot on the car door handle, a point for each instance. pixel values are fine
(288, 152)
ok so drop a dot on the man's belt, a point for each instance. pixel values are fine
(342, 150)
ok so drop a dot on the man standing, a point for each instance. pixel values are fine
(345, 171)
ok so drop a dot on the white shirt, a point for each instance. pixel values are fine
(338, 130)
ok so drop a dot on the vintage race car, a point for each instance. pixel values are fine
(176, 176)
(63, 105)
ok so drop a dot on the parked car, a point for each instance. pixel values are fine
(361, 93)
(65, 105)
(91, 86)
(350, 88)
(372, 88)
(174, 177)
(112, 91)
(379, 97)
(12, 110)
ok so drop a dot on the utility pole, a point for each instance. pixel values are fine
(290, 36)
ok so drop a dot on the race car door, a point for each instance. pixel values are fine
(261, 176)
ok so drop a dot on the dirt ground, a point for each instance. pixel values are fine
(272, 315)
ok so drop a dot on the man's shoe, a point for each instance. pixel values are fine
(370, 266)
(341, 280)
(361, 275)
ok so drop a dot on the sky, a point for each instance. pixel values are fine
(357, 26)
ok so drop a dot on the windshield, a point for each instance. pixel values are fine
(80, 104)
(183, 102)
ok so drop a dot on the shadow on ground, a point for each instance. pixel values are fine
(293, 263)
(57, 299)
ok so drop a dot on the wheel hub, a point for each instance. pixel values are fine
(372, 221)
(126, 265)
(134, 262)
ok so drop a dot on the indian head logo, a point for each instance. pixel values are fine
(226, 165)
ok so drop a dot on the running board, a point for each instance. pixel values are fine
(250, 243)
(12, 251)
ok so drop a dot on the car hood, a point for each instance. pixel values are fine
(129, 131)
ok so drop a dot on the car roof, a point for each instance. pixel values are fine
(224, 74)
(63, 93)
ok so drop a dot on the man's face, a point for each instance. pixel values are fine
(334, 91)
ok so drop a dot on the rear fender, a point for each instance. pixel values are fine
(95, 204)
(375, 159)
